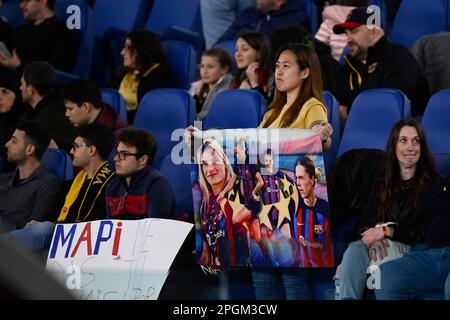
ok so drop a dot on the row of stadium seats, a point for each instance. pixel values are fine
(110, 19)
(372, 116)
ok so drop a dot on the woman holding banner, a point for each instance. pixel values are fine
(298, 104)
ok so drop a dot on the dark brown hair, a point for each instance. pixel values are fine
(309, 166)
(143, 141)
(260, 43)
(147, 47)
(311, 87)
(391, 179)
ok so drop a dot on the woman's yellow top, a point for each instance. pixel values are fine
(311, 113)
(129, 87)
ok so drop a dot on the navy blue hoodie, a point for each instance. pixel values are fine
(252, 19)
(148, 196)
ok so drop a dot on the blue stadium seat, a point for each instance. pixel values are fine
(115, 100)
(160, 112)
(333, 118)
(383, 12)
(230, 46)
(10, 10)
(179, 176)
(181, 58)
(85, 36)
(59, 163)
(63, 78)
(374, 112)
(415, 19)
(177, 20)
(435, 122)
(112, 20)
(236, 108)
(310, 8)
(119, 15)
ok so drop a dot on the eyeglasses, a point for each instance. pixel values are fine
(75, 145)
(124, 154)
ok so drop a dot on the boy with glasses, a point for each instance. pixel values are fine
(138, 190)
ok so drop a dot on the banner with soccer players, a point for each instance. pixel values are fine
(260, 199)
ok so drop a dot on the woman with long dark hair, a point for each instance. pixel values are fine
(145, 63)
(393, 212)
(298, 102)
(253, 61)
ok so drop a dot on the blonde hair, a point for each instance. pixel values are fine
(204, 185)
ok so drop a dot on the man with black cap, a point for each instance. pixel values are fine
(374, 62)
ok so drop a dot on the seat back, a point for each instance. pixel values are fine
(10, 10)
(160, 112)
(333, 118)
(64, 9)
(372, 116)
(383, 12)
(236, 108)
(414, 19)
(230, 46)
(181, 59)
(117, 14)
(179, 177)
(435, 122)
(115, 100)
(180, 13)
(310, 8)
(59, 163)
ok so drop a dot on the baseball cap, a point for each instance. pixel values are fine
(357, 17)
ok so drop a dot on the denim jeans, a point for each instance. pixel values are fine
(218, 15)
(415, 274)
(351, 282)
(37, 237)
(281, 283)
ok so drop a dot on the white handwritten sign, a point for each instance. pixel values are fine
(115, 259)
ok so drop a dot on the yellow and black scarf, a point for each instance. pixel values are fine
(98, 182)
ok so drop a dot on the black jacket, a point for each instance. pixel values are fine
(436, 207)
(161, 77)
(354, 185)
(252, 19)
(50, 112)
(49, 41)
(389, 65)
